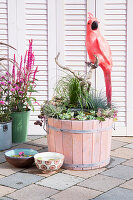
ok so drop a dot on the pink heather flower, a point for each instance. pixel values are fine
(7, 73)
(2, 102)
(13, 90)
(37, 103)
(17, 88)
(20, 92)
(21, 81)
(30, 56)
(13, 69)
(3, 77)
(3, 83)
(34, 76)
(9, 82)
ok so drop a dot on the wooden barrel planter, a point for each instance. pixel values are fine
(85, 144)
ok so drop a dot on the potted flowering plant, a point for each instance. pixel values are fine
(79, 122)
(21, 85)
(5, 118)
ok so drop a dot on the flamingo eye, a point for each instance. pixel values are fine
(88, 23)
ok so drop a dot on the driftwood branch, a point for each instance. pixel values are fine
(83, 80)
(65, 68)
(2, 43)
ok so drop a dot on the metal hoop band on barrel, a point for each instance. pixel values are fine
(79, 131)
(86, 165)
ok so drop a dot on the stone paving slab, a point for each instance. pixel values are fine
(84, 174)
(123, 153)
(5, 190)
(19, 180)
(2, 157)
(123, 139)
(33, 192)
(117, 144)
(120, 171)
(128, 185)
(6, 169)
(1, 176)
(129, 146)
(39, 142)
(5, 198)
(27, 146)
(76, 193)
(128, 163)
(60, 181)
(33, 137)
(36, 171)
(43, 150)
(116, 194)
(49, 198)
(115, 161)
(101, 182)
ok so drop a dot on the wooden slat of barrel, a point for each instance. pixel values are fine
(87, 144)
(58, 136)
(96, 144)
(67, 142)
(51, 139)
(110, 123)
(104, 143)
(77, 144)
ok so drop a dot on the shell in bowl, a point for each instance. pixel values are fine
(49, 161)
(20, 161)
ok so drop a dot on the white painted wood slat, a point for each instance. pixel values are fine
(115, 31)
(75, 53)
(36, 20)
(3, 29)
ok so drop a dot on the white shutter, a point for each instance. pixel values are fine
(115, 31)
(37, 29)
(4, 29)
(75, 14)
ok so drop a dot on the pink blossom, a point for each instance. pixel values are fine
(20, 92)
(13, 90)
(13, 70)
(30, 56)
(3, 77)
(3, 83)
(37, 103)
(35, 74)
(17, 88)
(7, 73)
(2, 102)
(9, 82)
(21, 81)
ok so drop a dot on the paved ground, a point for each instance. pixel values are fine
(113, 182)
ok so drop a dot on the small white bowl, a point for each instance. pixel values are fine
(49, 161)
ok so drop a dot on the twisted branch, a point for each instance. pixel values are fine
(84, 80)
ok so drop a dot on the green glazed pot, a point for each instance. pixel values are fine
(20, 123)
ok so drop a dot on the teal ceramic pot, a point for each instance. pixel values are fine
(5, 135)
(23, 161)
(20, 123)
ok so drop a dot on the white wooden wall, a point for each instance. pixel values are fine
(3, 28)
(75, 13)
(36, 27)
(60, 26)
